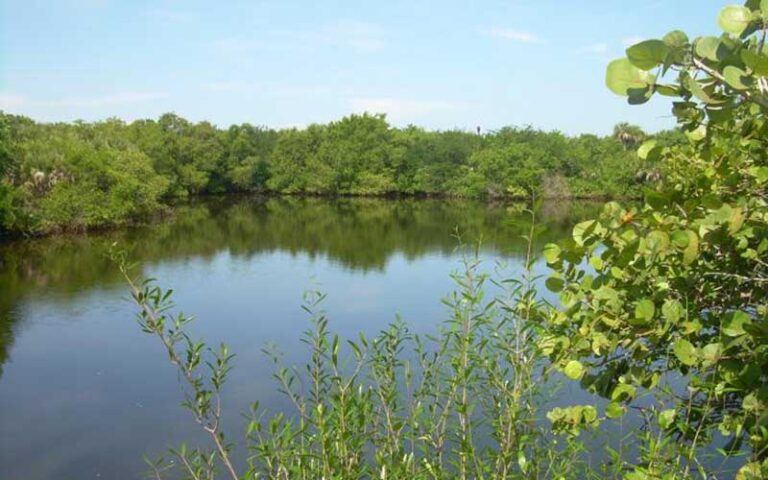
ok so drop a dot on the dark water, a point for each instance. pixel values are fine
(84, 394)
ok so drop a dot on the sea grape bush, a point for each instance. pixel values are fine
(671, 297)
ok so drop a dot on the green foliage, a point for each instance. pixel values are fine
(735, 19)
(671, 297)
(93, 185)
(6, 167)
(6, 208)
(248, 157)
(625, 78)
(71, 176)
(646, 55)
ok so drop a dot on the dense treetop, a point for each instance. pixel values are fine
(83, 175)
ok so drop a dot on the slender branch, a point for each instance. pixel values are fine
(212, 426)
(736, 276)
(189, 468)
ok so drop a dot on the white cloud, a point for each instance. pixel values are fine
(399, 107)
(11, 102)
(515, 35)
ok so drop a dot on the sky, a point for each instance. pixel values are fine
(284, 63)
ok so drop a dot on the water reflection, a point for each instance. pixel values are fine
(80, 379)
(359, 234)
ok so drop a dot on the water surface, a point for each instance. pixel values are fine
(84, 394)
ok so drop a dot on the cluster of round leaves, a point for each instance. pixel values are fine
(681, 283)
(731, 63)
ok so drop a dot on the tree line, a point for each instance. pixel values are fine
(80, 175)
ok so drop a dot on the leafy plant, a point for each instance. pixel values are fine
(670, 298)
(462, 404)
(90, 175)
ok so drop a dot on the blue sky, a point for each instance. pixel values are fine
(440, 65)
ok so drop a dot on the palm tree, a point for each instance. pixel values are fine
(629, 135)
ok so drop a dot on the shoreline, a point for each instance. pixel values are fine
(174, 202)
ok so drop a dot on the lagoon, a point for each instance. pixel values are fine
(85, 394)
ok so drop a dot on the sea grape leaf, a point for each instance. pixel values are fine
(648, 54)
(734, 19)
(685, 352)
(621, 77)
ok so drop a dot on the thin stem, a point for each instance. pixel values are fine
(212, 426)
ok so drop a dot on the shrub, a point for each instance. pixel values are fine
(464, 403)
(670, 297)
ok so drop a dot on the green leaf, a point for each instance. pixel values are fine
(554, 284)
(697, 135)
(657, 200)
(667, 418)
(764, 7)
(680, 238)
(735, 220)
(736, 78)
(720, 115)
(757, 62)
(751, 403)
(691, 252)
(733, 325)
(582, 231)
(685, 352)
(622, 78)
(644, 310)
(685, 111)
(734, 19)
(676, 39)
(639, 96)
(750, 471)
(521, 461)
(672, 310)
(645, 149)
(712, 353)
(712, 201)
(668, 90)
(589, 414)
(551, 253)
(607, 293)
(706, 47)
(614, 410)
(648, 54)
(658, 241)
(698, 91)
(613, 211)
(574, 370)
(760, 173)
(623, 391)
